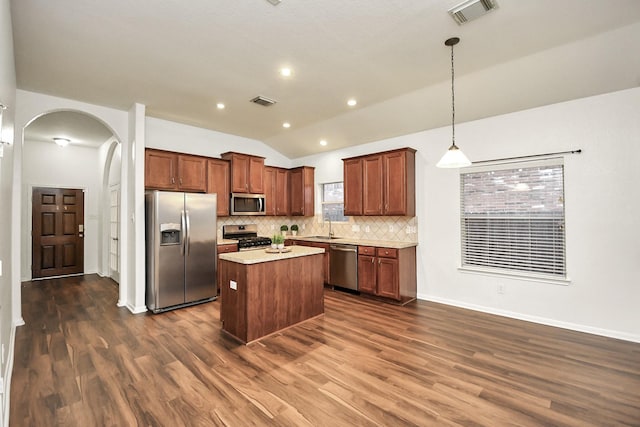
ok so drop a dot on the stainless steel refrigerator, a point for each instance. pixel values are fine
(181, 249)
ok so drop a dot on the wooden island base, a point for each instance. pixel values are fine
(269, 296)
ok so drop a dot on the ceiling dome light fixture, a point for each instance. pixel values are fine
(352, 102)
(286, 125)
(454, 157)
(323, 142)
(220, 106)
(62, 142)
(285, 72)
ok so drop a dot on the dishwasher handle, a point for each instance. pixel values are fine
(343, 249)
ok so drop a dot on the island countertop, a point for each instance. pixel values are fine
(260, 255)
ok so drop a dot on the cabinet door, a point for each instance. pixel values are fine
(297, 193)
(160, 170)
(372, 185)
(218, 183)
(388, 278)
(239, 173)
(367, 274)
(270, 190)
(325, 257)
(282, 192)
(256, 175)
(192, 173)
(353, 187)
(395, 183)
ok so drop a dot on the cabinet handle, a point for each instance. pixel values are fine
(372, 260)
(173, 180)
(180, 181)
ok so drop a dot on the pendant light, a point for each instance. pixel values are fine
(454, 157)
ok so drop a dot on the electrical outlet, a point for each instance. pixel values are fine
(391, 229)
(367, 229)
(273, 227)
(303, 227)
(501, 288)
(355, 228)
(233, 285)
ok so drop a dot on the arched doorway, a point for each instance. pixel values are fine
(89, 162)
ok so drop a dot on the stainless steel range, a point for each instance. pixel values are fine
(246, 235)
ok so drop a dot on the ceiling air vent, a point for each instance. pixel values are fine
(263, 100)
(471, 9)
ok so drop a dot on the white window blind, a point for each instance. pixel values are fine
(513, 219)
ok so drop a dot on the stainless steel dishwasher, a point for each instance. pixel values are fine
(343, 266)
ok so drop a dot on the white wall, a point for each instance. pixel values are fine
(165, 135)
(602, 205)
(44, 164)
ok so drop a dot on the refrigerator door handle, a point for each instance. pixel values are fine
(183, 225)
(188, 235)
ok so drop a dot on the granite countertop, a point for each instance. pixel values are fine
(227, 242)
(260, 255)
(359, 242)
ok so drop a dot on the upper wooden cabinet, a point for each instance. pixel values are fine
(276, 183)
(218, 183)
(247, 173)
(165, 170)
(301, 191)
(353, 187)
(380, 183)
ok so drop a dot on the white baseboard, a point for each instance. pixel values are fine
(138, 309)
(535, 319)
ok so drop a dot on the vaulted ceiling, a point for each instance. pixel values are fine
(182, 58)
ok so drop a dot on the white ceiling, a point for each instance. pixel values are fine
(181, 58)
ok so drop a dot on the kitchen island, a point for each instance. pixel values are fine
(262, 293)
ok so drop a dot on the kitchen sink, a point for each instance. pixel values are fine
(324, 237)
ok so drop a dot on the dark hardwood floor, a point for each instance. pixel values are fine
(82, 361)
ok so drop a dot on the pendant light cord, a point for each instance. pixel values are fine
(453, 103)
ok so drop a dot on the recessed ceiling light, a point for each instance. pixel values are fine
(352, 102)
(286, 125)
(286, 72)
(323, 142)
(220, 106)
(62, 142)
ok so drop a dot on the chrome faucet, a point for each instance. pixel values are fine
(330, 231)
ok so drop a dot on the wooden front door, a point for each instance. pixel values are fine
(58, 232)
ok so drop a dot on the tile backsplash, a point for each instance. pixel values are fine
(391, 228)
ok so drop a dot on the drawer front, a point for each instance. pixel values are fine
(366, 250)
(387, 253)
(223, 249)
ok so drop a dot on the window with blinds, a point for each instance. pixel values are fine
(512, 219)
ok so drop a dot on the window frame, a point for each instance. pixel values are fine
(505, 272)
(323, 203)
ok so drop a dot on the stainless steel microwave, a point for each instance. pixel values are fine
(247, 204)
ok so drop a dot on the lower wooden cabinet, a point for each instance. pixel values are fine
(387, 272)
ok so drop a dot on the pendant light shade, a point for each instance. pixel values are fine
(454, 157)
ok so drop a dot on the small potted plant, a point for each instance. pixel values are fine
(294, 229)
(284, 229)
(277, 242)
